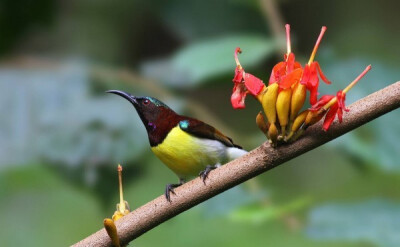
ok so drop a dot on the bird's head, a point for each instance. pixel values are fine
(149, 109)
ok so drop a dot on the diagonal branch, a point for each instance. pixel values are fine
(256, 162)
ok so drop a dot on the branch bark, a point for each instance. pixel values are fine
(256, 162)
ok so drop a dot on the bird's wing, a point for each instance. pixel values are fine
(203, 130)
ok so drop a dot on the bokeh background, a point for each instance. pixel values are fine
(61, 136)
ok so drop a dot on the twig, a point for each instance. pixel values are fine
(256, 162)
(274, 20)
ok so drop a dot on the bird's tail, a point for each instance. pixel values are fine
(234, 153)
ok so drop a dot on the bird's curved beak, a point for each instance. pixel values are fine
(125, 95)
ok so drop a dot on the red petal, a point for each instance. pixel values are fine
(253, 84)
(323, 77)
(314, 80)
(312, 83)
(290, 63)
(330, 116)
(313, 95)
(321, 102)
(306, 75)
(339, 113)
(341, 97)
(238, 74)
(290, 79)
(278, 71)
(297, 65)
(238, 96)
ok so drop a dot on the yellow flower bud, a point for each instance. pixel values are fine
(269, 102)
(112, 231)
(313, 117)
(298, 99)
(282, 108)
(298, 122)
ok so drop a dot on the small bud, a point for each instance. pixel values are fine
(112, 231)
(262, 125)
(273, 134)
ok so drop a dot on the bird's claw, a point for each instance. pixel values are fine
(204, 174)
(170, 189)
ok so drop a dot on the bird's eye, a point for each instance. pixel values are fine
(146, 102)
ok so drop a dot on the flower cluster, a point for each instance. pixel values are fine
(284, 97)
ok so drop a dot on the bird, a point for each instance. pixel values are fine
(187, 146)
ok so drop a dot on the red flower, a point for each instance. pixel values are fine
(335, 105)
(281, 69)
(244, 83)
(335, 109)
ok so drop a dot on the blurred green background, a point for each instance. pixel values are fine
(61, 136)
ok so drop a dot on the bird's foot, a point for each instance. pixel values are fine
(204, 174)
(170, 189)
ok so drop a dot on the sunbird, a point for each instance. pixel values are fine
(187, 146)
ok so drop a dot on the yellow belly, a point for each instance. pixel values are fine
(187, 155)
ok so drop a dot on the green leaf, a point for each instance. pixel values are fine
(200, 61)
(376, 221)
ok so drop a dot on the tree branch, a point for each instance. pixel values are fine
(256, 162)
